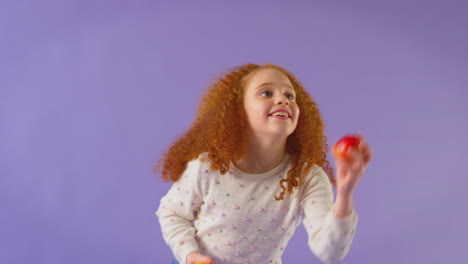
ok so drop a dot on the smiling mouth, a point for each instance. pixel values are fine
(280, 117)
(285, 115)
(280, 113)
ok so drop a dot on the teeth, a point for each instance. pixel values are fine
(280, 114)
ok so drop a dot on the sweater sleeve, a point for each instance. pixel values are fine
(177, 211)
(329, 237)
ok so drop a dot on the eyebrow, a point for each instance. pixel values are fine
(270, 83)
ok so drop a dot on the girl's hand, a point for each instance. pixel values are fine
(197, 258)
(350, 172)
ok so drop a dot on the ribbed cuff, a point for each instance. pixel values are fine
(343, 222)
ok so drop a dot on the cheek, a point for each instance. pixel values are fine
(297, 112)
(255, 112)
(258, 110)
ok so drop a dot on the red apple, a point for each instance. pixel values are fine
(341, 147)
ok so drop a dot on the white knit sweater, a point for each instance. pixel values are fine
(234, 218)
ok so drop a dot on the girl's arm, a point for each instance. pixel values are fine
(330, 235)
(177, 211)
(343, 205)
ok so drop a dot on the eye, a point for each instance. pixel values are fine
(290, 96)
(266, 92)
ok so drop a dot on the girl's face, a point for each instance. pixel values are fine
(267, 91)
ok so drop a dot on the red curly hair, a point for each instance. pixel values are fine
(215, 132)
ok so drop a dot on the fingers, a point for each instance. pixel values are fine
(367, 155)
(364, 149)
(357, 157)
(362, 146)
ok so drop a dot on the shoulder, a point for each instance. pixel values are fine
(200, 165)
(203, 160)
(313, 174)
(315, 183)
(200, 173)
(196, 170)
(194, 166)
(204, 157)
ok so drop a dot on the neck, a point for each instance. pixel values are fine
(262, 154)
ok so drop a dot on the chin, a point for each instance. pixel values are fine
(283, 133)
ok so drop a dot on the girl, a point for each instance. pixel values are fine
(251, 167)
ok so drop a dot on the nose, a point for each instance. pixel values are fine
(282, 100)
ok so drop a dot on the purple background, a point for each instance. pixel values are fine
(92, 92)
